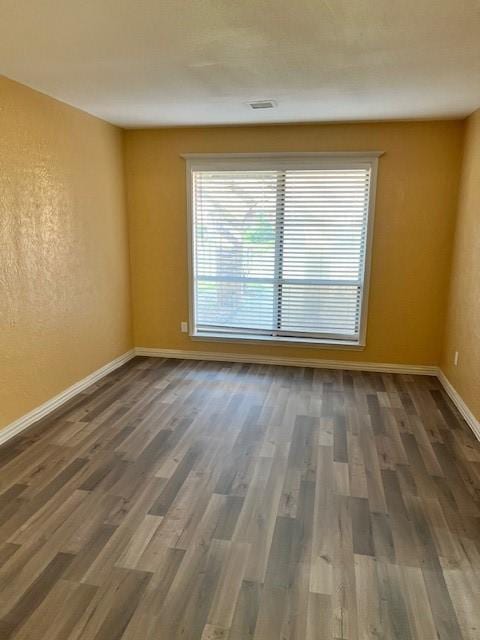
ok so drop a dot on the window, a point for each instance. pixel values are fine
(280, 246)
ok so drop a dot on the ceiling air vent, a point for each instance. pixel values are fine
(262, 104)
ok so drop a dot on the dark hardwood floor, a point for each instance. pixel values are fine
(180, 499)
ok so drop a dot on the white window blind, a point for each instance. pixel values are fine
(279, 248)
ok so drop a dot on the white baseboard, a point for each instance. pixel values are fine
(460, 403)
(316, 363)
(16, 427)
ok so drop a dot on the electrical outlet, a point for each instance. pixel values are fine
(455, 358)
(184, 327)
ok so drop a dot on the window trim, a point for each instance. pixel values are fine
(229, 161)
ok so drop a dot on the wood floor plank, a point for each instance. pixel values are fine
(419, 613)
(35, 594)
(195, 500)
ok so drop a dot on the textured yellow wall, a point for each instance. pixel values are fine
(64, 281)
(64, 272)
(414, 223)
(463, 321)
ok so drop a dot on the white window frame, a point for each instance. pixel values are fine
(269, 161)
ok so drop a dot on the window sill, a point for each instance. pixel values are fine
(279, 340)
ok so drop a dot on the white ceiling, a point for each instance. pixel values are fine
(176, 62)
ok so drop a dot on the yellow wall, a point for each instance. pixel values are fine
(463, 321)
(64, 281)
(414, 224)
(64, 263)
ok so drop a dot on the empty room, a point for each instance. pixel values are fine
(240, 320)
